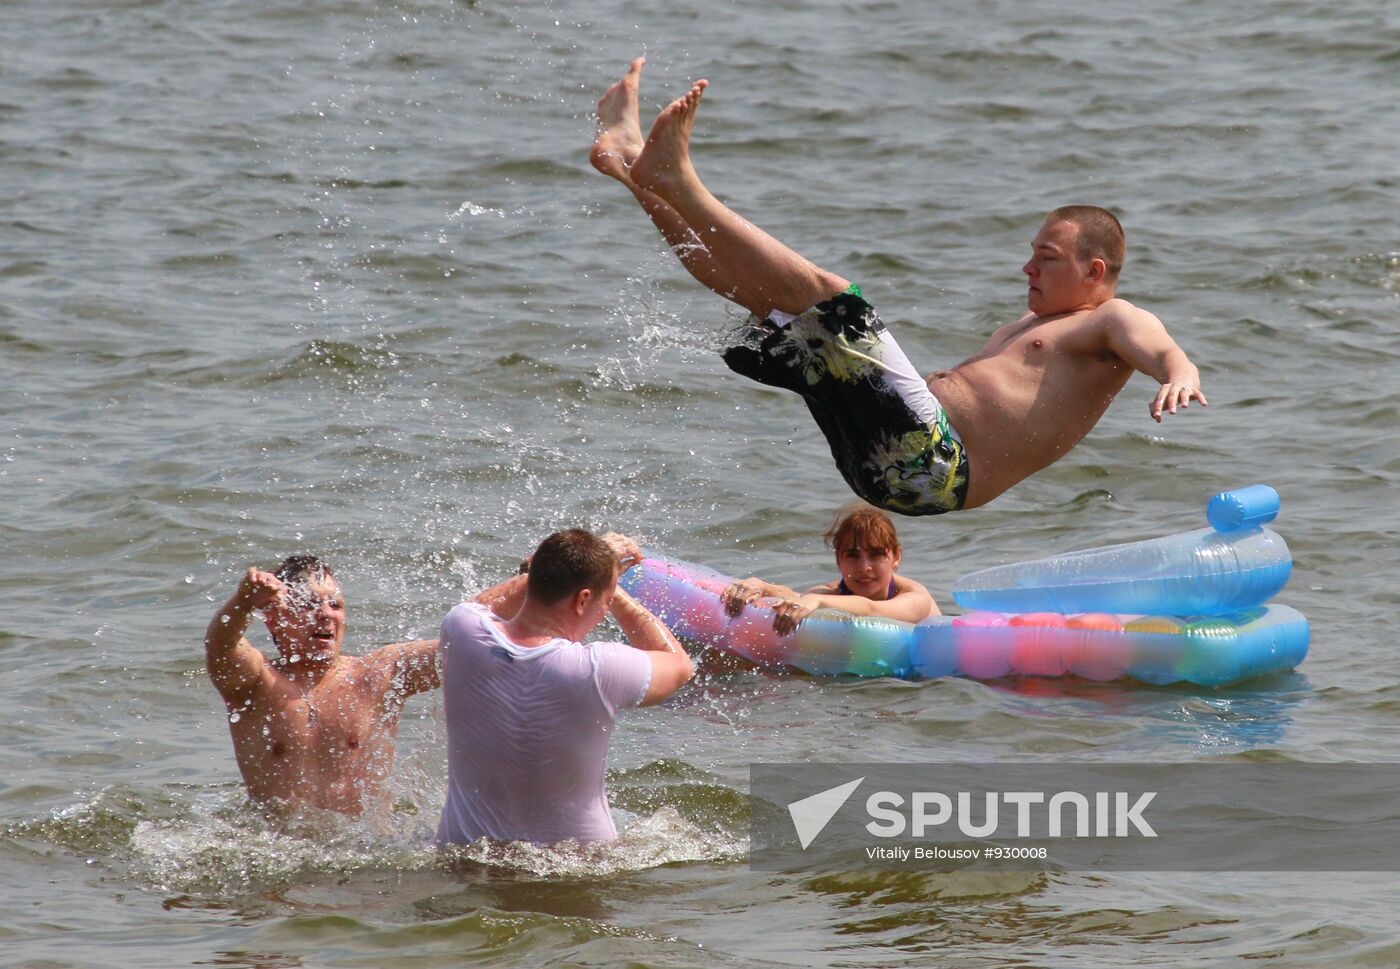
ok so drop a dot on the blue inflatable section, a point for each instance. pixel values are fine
(1206, 572)
(1245, 508)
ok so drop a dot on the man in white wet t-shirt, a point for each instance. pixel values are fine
(530, 708)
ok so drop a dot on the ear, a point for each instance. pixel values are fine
(897, 557)
(1098, 269)
(583, 598)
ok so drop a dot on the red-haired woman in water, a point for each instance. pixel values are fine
(867, 555)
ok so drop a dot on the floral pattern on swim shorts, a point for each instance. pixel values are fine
(835, 356)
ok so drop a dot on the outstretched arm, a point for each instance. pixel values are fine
(233, 664)
(412, 666)
(1140, 340)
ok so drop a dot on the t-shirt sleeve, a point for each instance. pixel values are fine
(622, 675)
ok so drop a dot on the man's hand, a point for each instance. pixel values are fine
(628, 552)
(259, 589)
(234, 665)
(1172, 395)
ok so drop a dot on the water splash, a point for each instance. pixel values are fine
(471, 208)
(662, 838)
(235, 849)
(216, 843)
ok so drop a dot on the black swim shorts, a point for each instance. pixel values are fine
(889, 435)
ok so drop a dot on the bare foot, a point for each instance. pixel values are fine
(664, 162)
(619, 140)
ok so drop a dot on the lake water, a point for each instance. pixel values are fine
(336, 277)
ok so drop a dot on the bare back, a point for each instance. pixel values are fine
(1033, 393)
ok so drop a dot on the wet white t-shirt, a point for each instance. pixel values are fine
(528, 730)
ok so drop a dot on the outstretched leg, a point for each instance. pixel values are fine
(616, 147)
(768, 272)
(720, 249)
(889, 435)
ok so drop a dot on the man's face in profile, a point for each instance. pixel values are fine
(1055, 278)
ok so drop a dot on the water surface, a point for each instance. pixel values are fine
(337, 277)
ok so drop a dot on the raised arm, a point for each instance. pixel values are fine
(505, 598)
(671, 668)
(234, 664)
(1140, 340)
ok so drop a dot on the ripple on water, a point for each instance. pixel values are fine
(342, 359)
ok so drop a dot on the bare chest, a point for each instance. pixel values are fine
(1067, 342)
(1053, 356)
(334, 722)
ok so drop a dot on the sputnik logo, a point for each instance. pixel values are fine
(811, 814)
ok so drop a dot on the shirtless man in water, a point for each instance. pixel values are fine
(312, 727)
(918, 446)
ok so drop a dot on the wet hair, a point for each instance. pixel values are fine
(569, 561)
(1100, 236)
(862, 526)
(300, 569)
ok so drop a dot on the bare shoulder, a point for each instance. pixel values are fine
(904, 584)
(825, 589)
(1122, 313)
